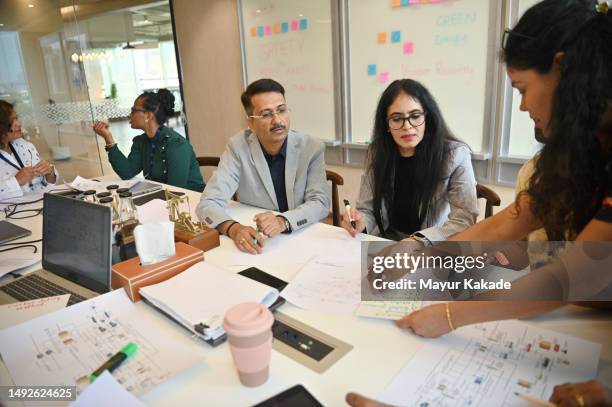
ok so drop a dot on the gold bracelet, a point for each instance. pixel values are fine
(448, 317)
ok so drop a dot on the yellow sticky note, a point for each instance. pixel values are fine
(277, 28)
(395, 3)
(382, 38)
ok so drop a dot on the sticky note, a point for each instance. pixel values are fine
(408, 48)
(277, 28)
(404, 3)
(285, 27)
(260, 31)
(371, 69)
(415, 1)
(382, 38)
(303, 24)
(268, 29)
(294, 25)
(383, 77)
(253, 31)
(395, 36)
(395, 3)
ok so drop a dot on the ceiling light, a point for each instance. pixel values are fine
(31, 5)
(1, 25)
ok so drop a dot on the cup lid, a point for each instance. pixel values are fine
(247, 318)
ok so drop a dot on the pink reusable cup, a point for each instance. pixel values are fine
(248, 326)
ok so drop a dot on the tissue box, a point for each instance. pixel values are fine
(131, 275)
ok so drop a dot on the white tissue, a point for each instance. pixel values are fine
(154, 242)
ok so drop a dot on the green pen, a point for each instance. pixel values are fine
(114, 362)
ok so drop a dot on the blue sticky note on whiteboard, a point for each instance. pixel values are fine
(303, 24)
(371, 69)
(395, 36)
(404, 3)
(284, 27)
(260, 31)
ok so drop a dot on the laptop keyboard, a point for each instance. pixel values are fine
(33, 287)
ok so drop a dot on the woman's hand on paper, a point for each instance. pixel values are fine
(428, 322)
(358, 218)
(247, 239)
(591, 393)
(357, 400)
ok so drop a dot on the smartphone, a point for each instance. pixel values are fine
(268, 279)
(296, 396)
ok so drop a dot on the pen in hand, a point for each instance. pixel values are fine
(114, 362)
(347, 205)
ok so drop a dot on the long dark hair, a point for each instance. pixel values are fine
(160, 103)
(566, 187)
(430, 157)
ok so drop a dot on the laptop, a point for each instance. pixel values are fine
(144, 187)
(9, 232)
(76, 253)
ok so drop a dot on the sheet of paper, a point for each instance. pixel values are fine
(387, 309)
(326, 284)
(83, 184)
(485, 364)
(65, 347)
(15, 260)
(154, 211)
(18, 312)
(105, 391)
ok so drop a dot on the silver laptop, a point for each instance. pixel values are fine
(76, 253)
(144, 187)
(9, 232)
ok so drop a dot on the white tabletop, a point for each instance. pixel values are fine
(380, 348)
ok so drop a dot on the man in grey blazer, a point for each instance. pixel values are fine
(271, 167)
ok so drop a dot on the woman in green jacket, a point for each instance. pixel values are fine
(160, 153)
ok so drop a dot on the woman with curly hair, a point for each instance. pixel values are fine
(160, 153)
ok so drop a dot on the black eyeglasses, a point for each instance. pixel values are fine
(508, 32)
(415, 119)
(134, 110)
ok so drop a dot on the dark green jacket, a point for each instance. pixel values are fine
(174, 162)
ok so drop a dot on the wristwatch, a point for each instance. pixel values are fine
(287, 224)
(109, 146)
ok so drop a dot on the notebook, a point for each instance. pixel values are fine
(198, 297)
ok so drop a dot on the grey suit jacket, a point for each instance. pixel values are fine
(453, 208)
(244, 168)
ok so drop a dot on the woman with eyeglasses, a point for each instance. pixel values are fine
(419, 183)
(21, 168)
(160, 153)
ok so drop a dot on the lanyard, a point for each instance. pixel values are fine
(12, 164)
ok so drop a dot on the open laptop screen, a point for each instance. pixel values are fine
(77, 241)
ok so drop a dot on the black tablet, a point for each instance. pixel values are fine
(296, 396)
(9, 231)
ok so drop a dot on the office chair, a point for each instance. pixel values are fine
(491, 198)
(336, 179)
(213, 162)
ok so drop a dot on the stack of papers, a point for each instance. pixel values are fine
(203, 293)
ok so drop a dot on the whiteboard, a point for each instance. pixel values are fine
(290, 41)
(522, 141)
(441, 43)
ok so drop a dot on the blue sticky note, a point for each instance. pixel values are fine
(303, 24)
(260, 31)
(284, 27)
(395, 36)
(371, 69)
(404, 2)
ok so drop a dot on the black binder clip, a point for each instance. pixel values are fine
(200, 328)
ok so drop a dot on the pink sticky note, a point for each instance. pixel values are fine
(383, 77)
(408, 47)
(268, 29)
(294, 25)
